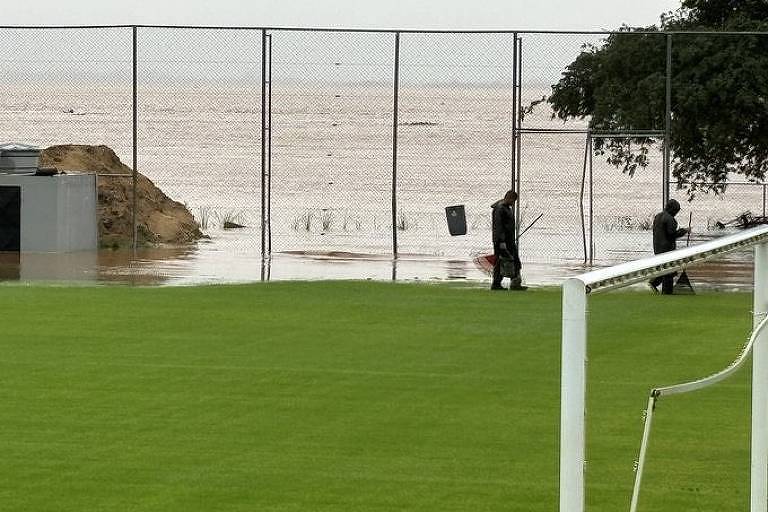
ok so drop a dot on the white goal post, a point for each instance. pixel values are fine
(574, 356)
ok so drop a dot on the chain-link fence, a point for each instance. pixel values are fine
(199, 108)
(332, 135)
(355, 141)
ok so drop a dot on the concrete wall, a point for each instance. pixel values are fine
(58, 213)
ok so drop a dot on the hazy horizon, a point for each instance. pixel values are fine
(396, 14)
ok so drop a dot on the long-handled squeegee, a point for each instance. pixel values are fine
(530, 225)
(683, 285)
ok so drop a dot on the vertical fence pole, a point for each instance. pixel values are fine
(269, 153)
(591, 201)
(667, 122)
(135, 129)
(759, 456)
(519, 123)
(763, 199)
(395, 115)
(573, 396)
(263, 140)
(513, 178)
(581, 199)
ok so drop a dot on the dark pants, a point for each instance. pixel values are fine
(497, 277)
(667, 283)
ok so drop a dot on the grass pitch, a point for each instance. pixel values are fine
(356, 397)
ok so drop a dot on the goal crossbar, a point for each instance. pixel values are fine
(648, 268)
(574, 356)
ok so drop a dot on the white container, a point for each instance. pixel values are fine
(18, 158)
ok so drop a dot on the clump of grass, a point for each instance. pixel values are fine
(352, 223)
(326, 220)
(204, 217)
(645, 224)
(303, 222)
(404, 223)
(628, 223)
(232, 219)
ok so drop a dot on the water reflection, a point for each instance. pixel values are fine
(266, 268)
(10, 266)
(457, 269)
(144, 267)
(209, 263)
(79, 266)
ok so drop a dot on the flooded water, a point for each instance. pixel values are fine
(332, 182)
(214, 262)
(332, 185)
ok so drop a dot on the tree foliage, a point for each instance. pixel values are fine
(719, 92)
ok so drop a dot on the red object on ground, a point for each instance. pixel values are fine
(485, 262)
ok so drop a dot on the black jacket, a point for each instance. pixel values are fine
(665, 232)
(503, 224)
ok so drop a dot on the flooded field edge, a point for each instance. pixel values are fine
(211, 263)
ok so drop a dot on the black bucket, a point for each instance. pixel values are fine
(457, 220)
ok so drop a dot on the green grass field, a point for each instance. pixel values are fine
(356, 397)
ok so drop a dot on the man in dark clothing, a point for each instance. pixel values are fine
(665, 235)
(504, 241)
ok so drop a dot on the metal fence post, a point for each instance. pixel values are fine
(514, 183)
(519, 145)
(263, 140)
(269, 152)
(581, 199)
(134, 128)
(395, 116)
(591, 201)
(667, 122)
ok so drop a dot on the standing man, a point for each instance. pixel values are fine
(665, 235)
(504, 241)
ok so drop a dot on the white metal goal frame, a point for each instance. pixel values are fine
(574, 356)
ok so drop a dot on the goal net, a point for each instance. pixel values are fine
(576, 292)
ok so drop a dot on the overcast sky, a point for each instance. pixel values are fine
(424, 14)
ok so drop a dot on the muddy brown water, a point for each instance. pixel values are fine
(214, 262)
(332, 173)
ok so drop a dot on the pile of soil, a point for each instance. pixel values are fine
(159, 219)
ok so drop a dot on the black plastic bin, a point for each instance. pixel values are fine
(457, 220)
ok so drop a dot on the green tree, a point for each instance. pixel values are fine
(719, 92)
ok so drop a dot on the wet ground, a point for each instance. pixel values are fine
(210, 263)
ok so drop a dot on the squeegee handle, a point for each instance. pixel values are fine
(530, 225)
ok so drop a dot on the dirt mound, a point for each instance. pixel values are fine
(159, 219)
